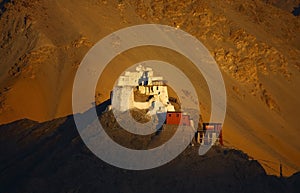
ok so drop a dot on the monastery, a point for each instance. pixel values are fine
(142, 90)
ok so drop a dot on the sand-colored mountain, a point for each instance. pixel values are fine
(255, 43)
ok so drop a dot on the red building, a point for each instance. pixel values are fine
(178, 118)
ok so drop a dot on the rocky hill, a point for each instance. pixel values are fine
(51, 157)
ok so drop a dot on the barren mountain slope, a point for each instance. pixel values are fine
(255, 44)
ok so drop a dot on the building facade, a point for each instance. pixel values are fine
(144, 83)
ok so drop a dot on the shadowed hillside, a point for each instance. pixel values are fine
(50, 157)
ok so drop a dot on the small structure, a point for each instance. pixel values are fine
(178, 118)
(210, 134)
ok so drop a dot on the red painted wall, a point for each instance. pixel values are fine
(173, 118)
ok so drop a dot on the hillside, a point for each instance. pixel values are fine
(50, 157)
(255, 43)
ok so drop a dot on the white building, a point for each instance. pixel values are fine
(144, 83)
(142, 76)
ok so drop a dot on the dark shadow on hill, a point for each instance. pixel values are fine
(2, 6)
(102, 107)
(296, 11)
(51, 157)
